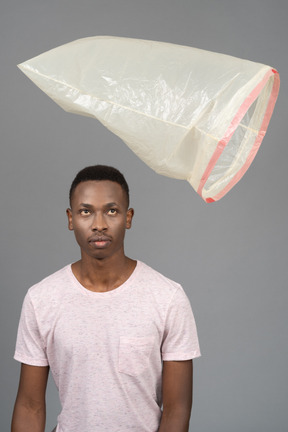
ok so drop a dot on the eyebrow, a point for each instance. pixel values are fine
(85, 205)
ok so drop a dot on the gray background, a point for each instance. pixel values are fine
(230, 256)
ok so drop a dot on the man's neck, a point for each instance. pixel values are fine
(105, 274)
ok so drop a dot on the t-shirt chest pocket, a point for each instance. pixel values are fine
(134, 354)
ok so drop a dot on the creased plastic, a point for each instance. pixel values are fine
(187, 113)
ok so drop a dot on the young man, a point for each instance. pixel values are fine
(118, 336)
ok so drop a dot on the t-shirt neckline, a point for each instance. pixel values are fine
(105, 294)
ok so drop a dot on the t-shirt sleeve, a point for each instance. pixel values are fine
(30, 347)
(180, 340)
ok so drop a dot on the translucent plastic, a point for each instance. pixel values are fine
(187, 113)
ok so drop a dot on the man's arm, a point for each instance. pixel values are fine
(177, 386)
(30, 407)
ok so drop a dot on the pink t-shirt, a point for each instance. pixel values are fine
(105, 350)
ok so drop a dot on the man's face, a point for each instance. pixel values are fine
(99, 218)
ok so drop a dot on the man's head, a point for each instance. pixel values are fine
(98, 173)
(99, 213)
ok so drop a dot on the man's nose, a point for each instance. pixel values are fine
(99, 222)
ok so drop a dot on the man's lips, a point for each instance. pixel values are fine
(100, 241)
(99, 238)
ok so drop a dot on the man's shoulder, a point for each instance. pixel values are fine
(53, 282)
(157, 279)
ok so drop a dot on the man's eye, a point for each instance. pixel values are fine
(112, 211)
(85, 212)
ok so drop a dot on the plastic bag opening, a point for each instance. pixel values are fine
(235, 154)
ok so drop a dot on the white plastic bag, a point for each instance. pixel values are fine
(187, 113)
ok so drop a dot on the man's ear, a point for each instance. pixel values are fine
(129, 217)
(69, 216)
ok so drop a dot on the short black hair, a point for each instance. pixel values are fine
(98, 173)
